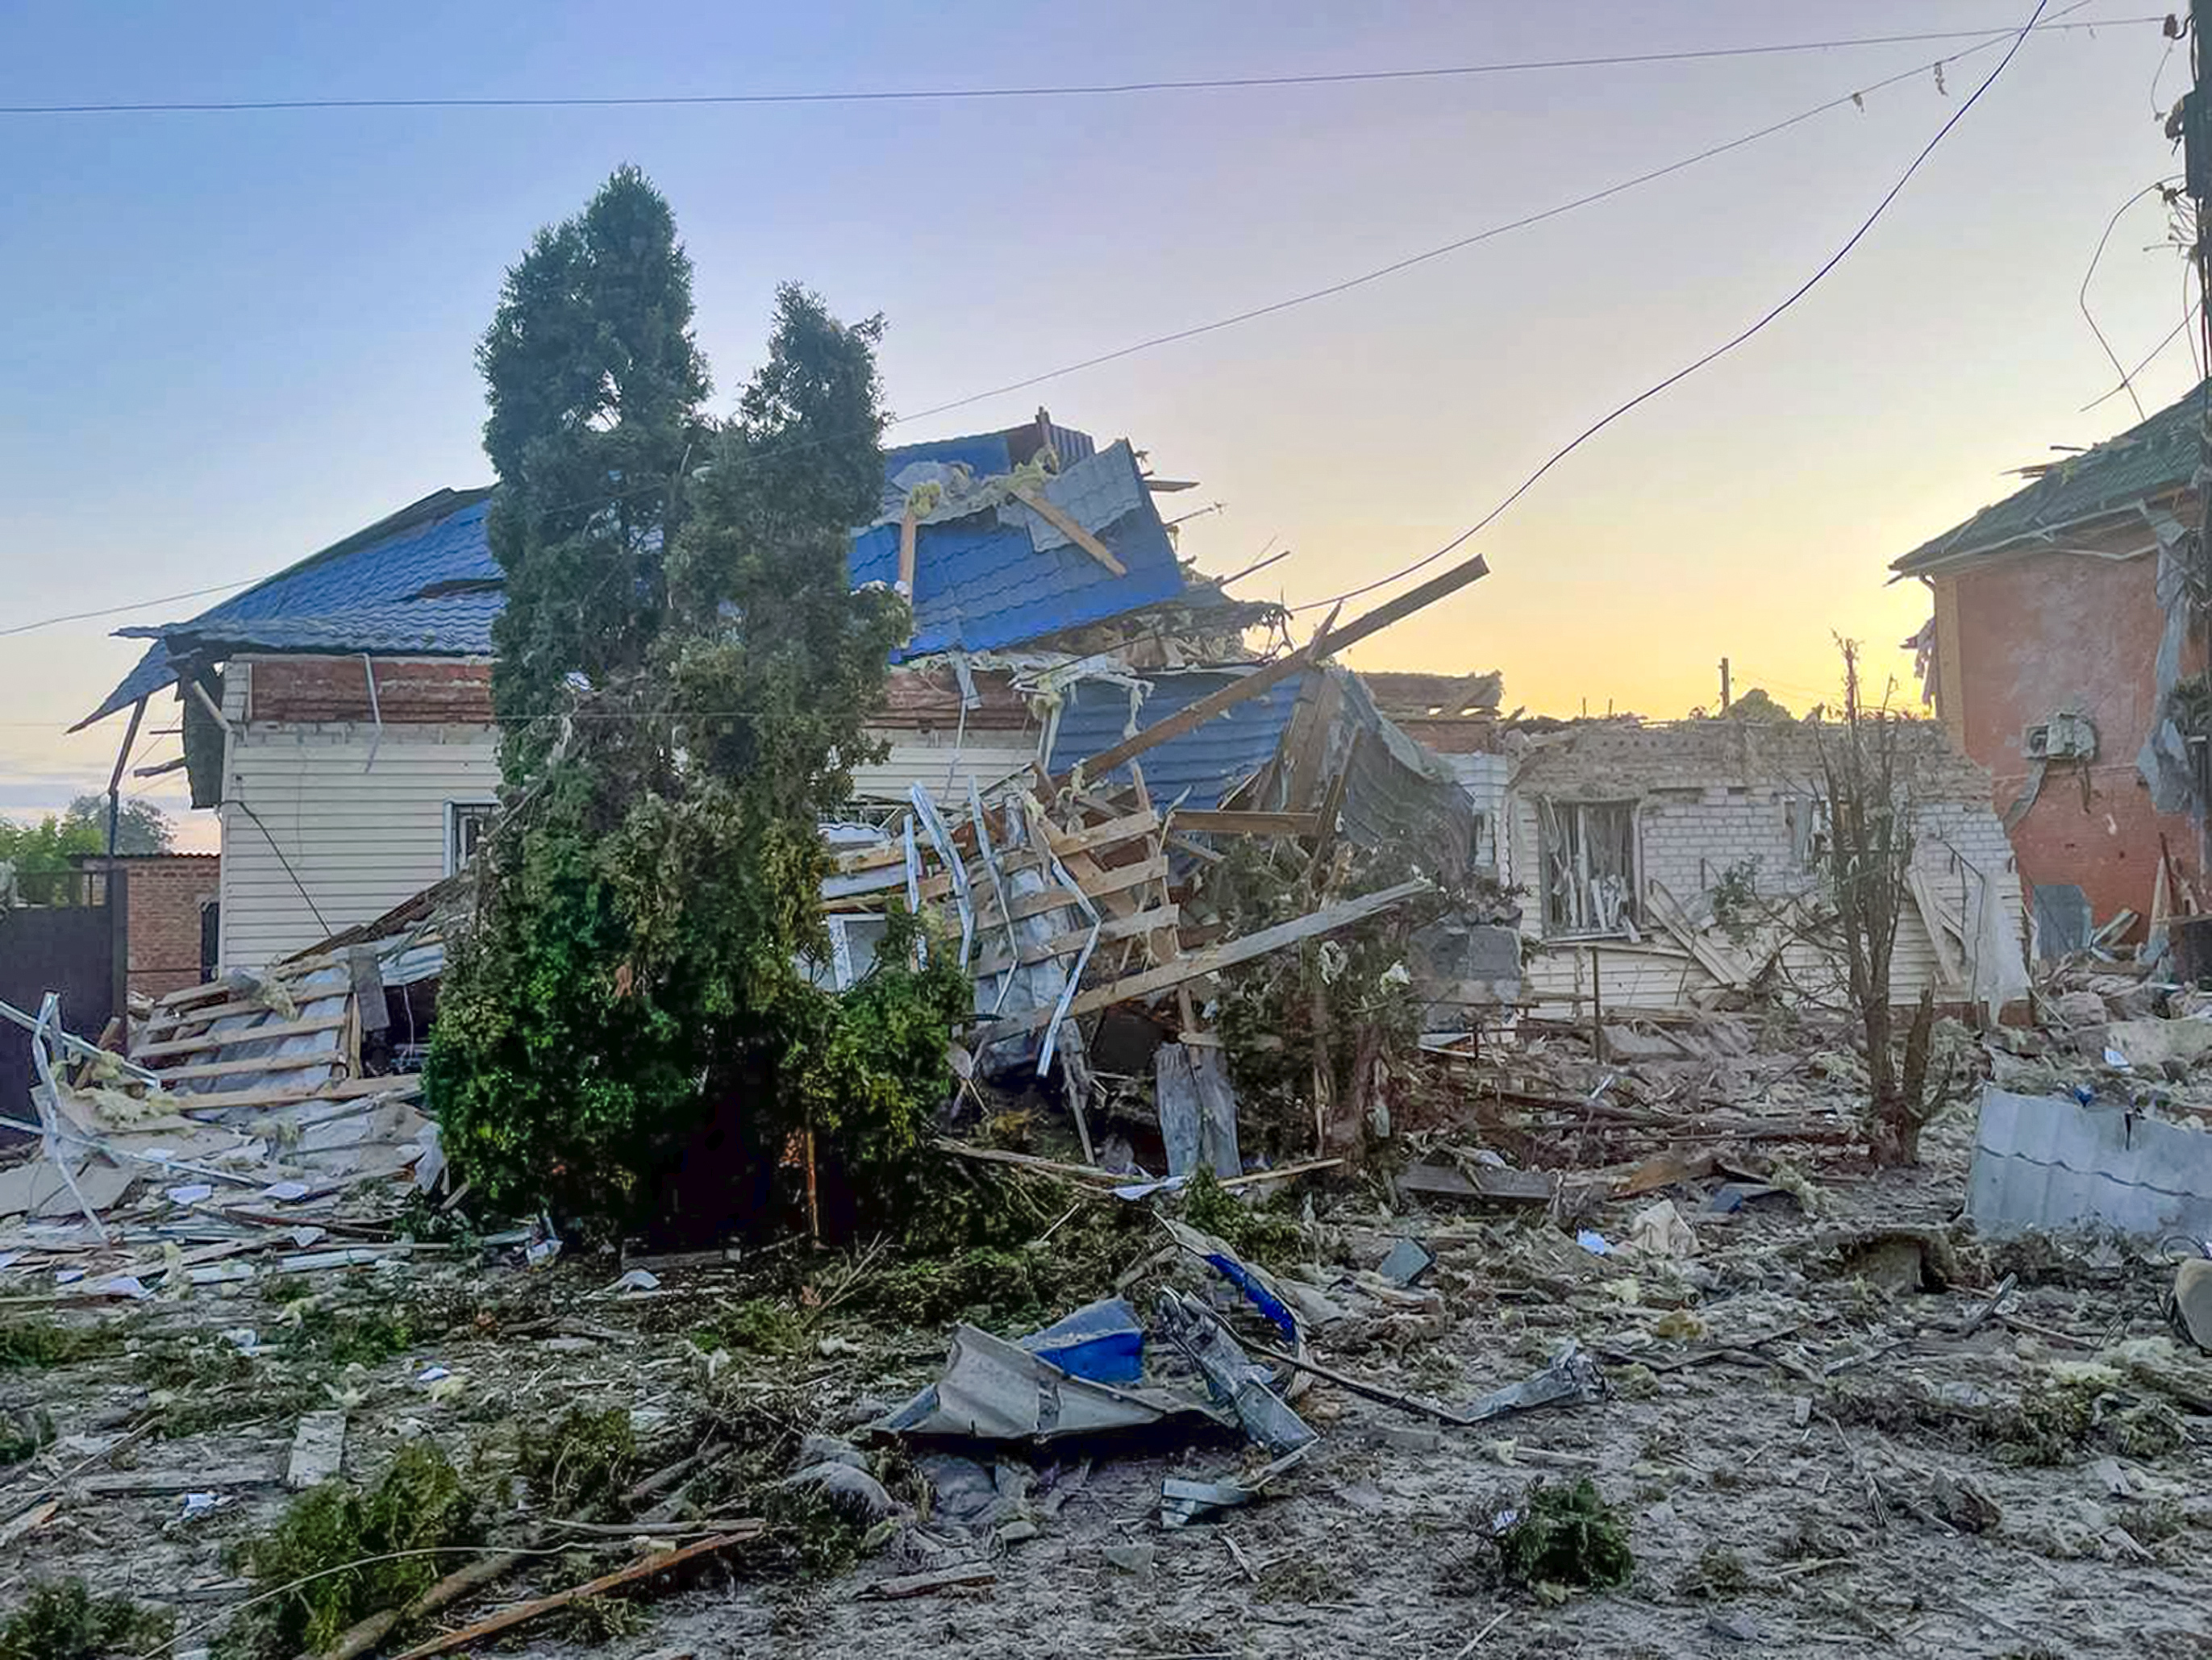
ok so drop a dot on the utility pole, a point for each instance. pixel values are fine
(1724, 686)
(2196, 150)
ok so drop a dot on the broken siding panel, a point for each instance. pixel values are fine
(941, 767)
(358, 841)
(1559, 979)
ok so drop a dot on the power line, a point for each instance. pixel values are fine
(1345, 285)
(114, 610)
(1717, 352)
(1253, 313)
(1072, 89)
(1360, 280)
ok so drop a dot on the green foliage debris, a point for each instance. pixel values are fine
(34, 1344)
(580, 1466)
(1566, 1537)
(321, 1554)
(63, 1620)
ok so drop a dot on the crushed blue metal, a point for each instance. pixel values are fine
(423, 581)
(1100, 1340)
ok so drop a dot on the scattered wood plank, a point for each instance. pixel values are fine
(404, 1083)
(259, 1063)
(318, 1450)
(143, 1483)
(1490, 1183)
(1060, 520)
(1075, 1173)
(1067, 944)
(206, 1040)
(919, 1584)
(1093, 837)
(621, 1579)
(1227, 954)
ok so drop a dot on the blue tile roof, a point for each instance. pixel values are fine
(982, 582)
(375, 575)
(1208, 761)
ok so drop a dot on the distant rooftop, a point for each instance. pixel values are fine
(2150, 461)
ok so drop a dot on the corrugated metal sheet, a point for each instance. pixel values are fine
(1207, 762)
(379, 571)
(2045, 1162)
(981, 583)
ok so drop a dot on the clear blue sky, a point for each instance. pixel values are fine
(235, 338)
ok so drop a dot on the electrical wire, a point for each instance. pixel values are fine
(1717, 352)
(1271, 308)
(134, 605)
(2155, 353)
(2082, 297)
(1073, 89)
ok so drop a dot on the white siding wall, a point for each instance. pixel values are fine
(359, 837)
(932, 759)
(1686, 838)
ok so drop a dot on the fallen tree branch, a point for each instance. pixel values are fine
(523, 1613)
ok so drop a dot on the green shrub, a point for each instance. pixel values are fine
(63, 1620)
(322, 1553)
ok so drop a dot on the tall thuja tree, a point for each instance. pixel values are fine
(772, 665)
(630, 1032)
(595, 387)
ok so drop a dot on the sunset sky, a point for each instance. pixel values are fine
(237, 337)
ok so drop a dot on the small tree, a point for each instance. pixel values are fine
(1869, 868)
(140, 826)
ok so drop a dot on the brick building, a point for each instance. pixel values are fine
(2060, 634)
(169, 917)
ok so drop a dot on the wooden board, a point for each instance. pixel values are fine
(1213, 959)
(1217, 822)
(219, 1039)
(258, 1064)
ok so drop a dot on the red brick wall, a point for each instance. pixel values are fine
(165, 896)
(419, 691)
(2053, 630)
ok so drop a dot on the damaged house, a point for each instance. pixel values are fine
(2061, 658)
(337, 715)
(1677, 866)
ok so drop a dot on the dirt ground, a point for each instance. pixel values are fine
(1814, 1455)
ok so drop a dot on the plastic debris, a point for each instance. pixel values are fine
(995, 1390)
(1100, 1340)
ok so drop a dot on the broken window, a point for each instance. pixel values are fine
(1482, 843)
(1807, 817)
(466, 824)
(1589, 867)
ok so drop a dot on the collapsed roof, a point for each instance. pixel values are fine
(1006, 551)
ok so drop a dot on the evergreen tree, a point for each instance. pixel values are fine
(595, 385)
(631, 1032)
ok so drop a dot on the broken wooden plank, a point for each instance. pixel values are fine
(1227, 954)
(1219, 822)
(1111, 833)
(169, 1075)
(919, 1584)
(407, 1083)
(1067, 944)
(205, 1040)
(318, 1450)
(154, 1483)
(1495, 1183)
(1193, 715)
(1060, 520)
(523, 1613)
